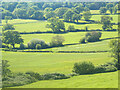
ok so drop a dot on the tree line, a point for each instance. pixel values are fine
(44, 10)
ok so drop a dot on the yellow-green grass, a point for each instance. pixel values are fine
(71, 37)
(94, 46)
(95, 11)
(98, 18)
(19, 21)
(51, 62)
(102, 80)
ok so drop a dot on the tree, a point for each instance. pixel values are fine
(79, 9)
(109, 5)
(106, 21)
(37, 15)
(60, 11)
(20, 13)
(8, 27)
(30, 12)
(84, 68)
(8, 18)
(76, 17)
(12, 37)
(5, 69)
(32, 44)
(49, 15)
(87, 15)
(115, 49)
(48, 9)
(57, 41)
(56, 25)
(103, 10)
(68, 15)
(71, 28)
(6, 13)
(93, 36)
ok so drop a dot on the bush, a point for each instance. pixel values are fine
(54, 76)
(38, 46)
(57, 41)
(82, 40)
(18, 79)
(84, 68)
(8, 27)
(22, 46)
(32, 44)
(35, 75)
(71, 28)
(93, 36)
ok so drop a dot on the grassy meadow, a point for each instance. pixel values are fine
(102, 80)
(63, 62)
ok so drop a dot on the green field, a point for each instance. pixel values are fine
(63, 62)
(102, 80)
(51, 62)
(36, 25)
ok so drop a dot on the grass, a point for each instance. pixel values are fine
(22, 25)
(72, 37)
(102, 80)
(96, 46)
(50, 62)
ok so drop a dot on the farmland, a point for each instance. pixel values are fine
(38, 49)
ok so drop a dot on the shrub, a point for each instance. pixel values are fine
(22, 46)
(84, 68)
(82, 40)
(38, 46)
(54, 76)
(18, 79)
(57, 41)
(35, 75)
(71, 28)
(93, 36)
(32, 44)
(8, 27)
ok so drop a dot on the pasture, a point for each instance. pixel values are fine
(51, 62)
(63, 62)
(102, 80)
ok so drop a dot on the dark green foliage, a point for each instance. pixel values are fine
(5, 69)
(6, 13)
(38, 46)
(115, 49)
(93, 36)
(68, 15)
(83, 68)
(22, 46)
(18, 79)
(82, 40)
(37, 76)
(20, 13)
(76, 17)
(103, 10)
(32, 44)
(57, 41)
(60, 11)
(56, 25)
(37, 15)
(87, 15)
(106, 21)
(71, 28)
(49, 15)
(8, 27)
(12, 37)
(54, 76)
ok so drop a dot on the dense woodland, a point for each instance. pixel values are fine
(42, 11)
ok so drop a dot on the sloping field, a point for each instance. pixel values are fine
(102, 80)
(51, 62)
